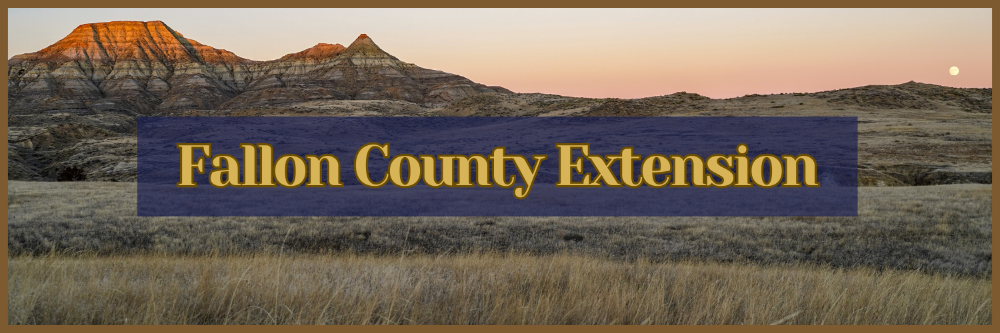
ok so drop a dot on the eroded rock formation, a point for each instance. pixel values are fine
(144, 68)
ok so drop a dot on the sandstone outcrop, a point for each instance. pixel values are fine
(146, 68)
(130, 67)
(361, 71)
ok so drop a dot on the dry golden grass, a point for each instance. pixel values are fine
(914, 255)
(475, 289)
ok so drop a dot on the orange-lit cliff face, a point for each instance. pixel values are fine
(146, 68)
(129, 40)
(319, 52)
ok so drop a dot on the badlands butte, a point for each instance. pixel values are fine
(72, 106)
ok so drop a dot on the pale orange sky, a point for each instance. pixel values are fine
(622, 53)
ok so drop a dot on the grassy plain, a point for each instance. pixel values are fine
(475, 289)
(914, 255)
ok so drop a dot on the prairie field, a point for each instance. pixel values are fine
(78, 254)
(475, 289)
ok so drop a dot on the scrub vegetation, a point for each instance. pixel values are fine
(934, 229)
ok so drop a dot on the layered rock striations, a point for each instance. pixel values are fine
(361, 71)
(143, 68)
(130, 67)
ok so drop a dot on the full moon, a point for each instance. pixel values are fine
(953, 70)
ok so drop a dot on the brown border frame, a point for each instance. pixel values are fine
(499, 4)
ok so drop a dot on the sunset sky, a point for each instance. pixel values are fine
(622, 53)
